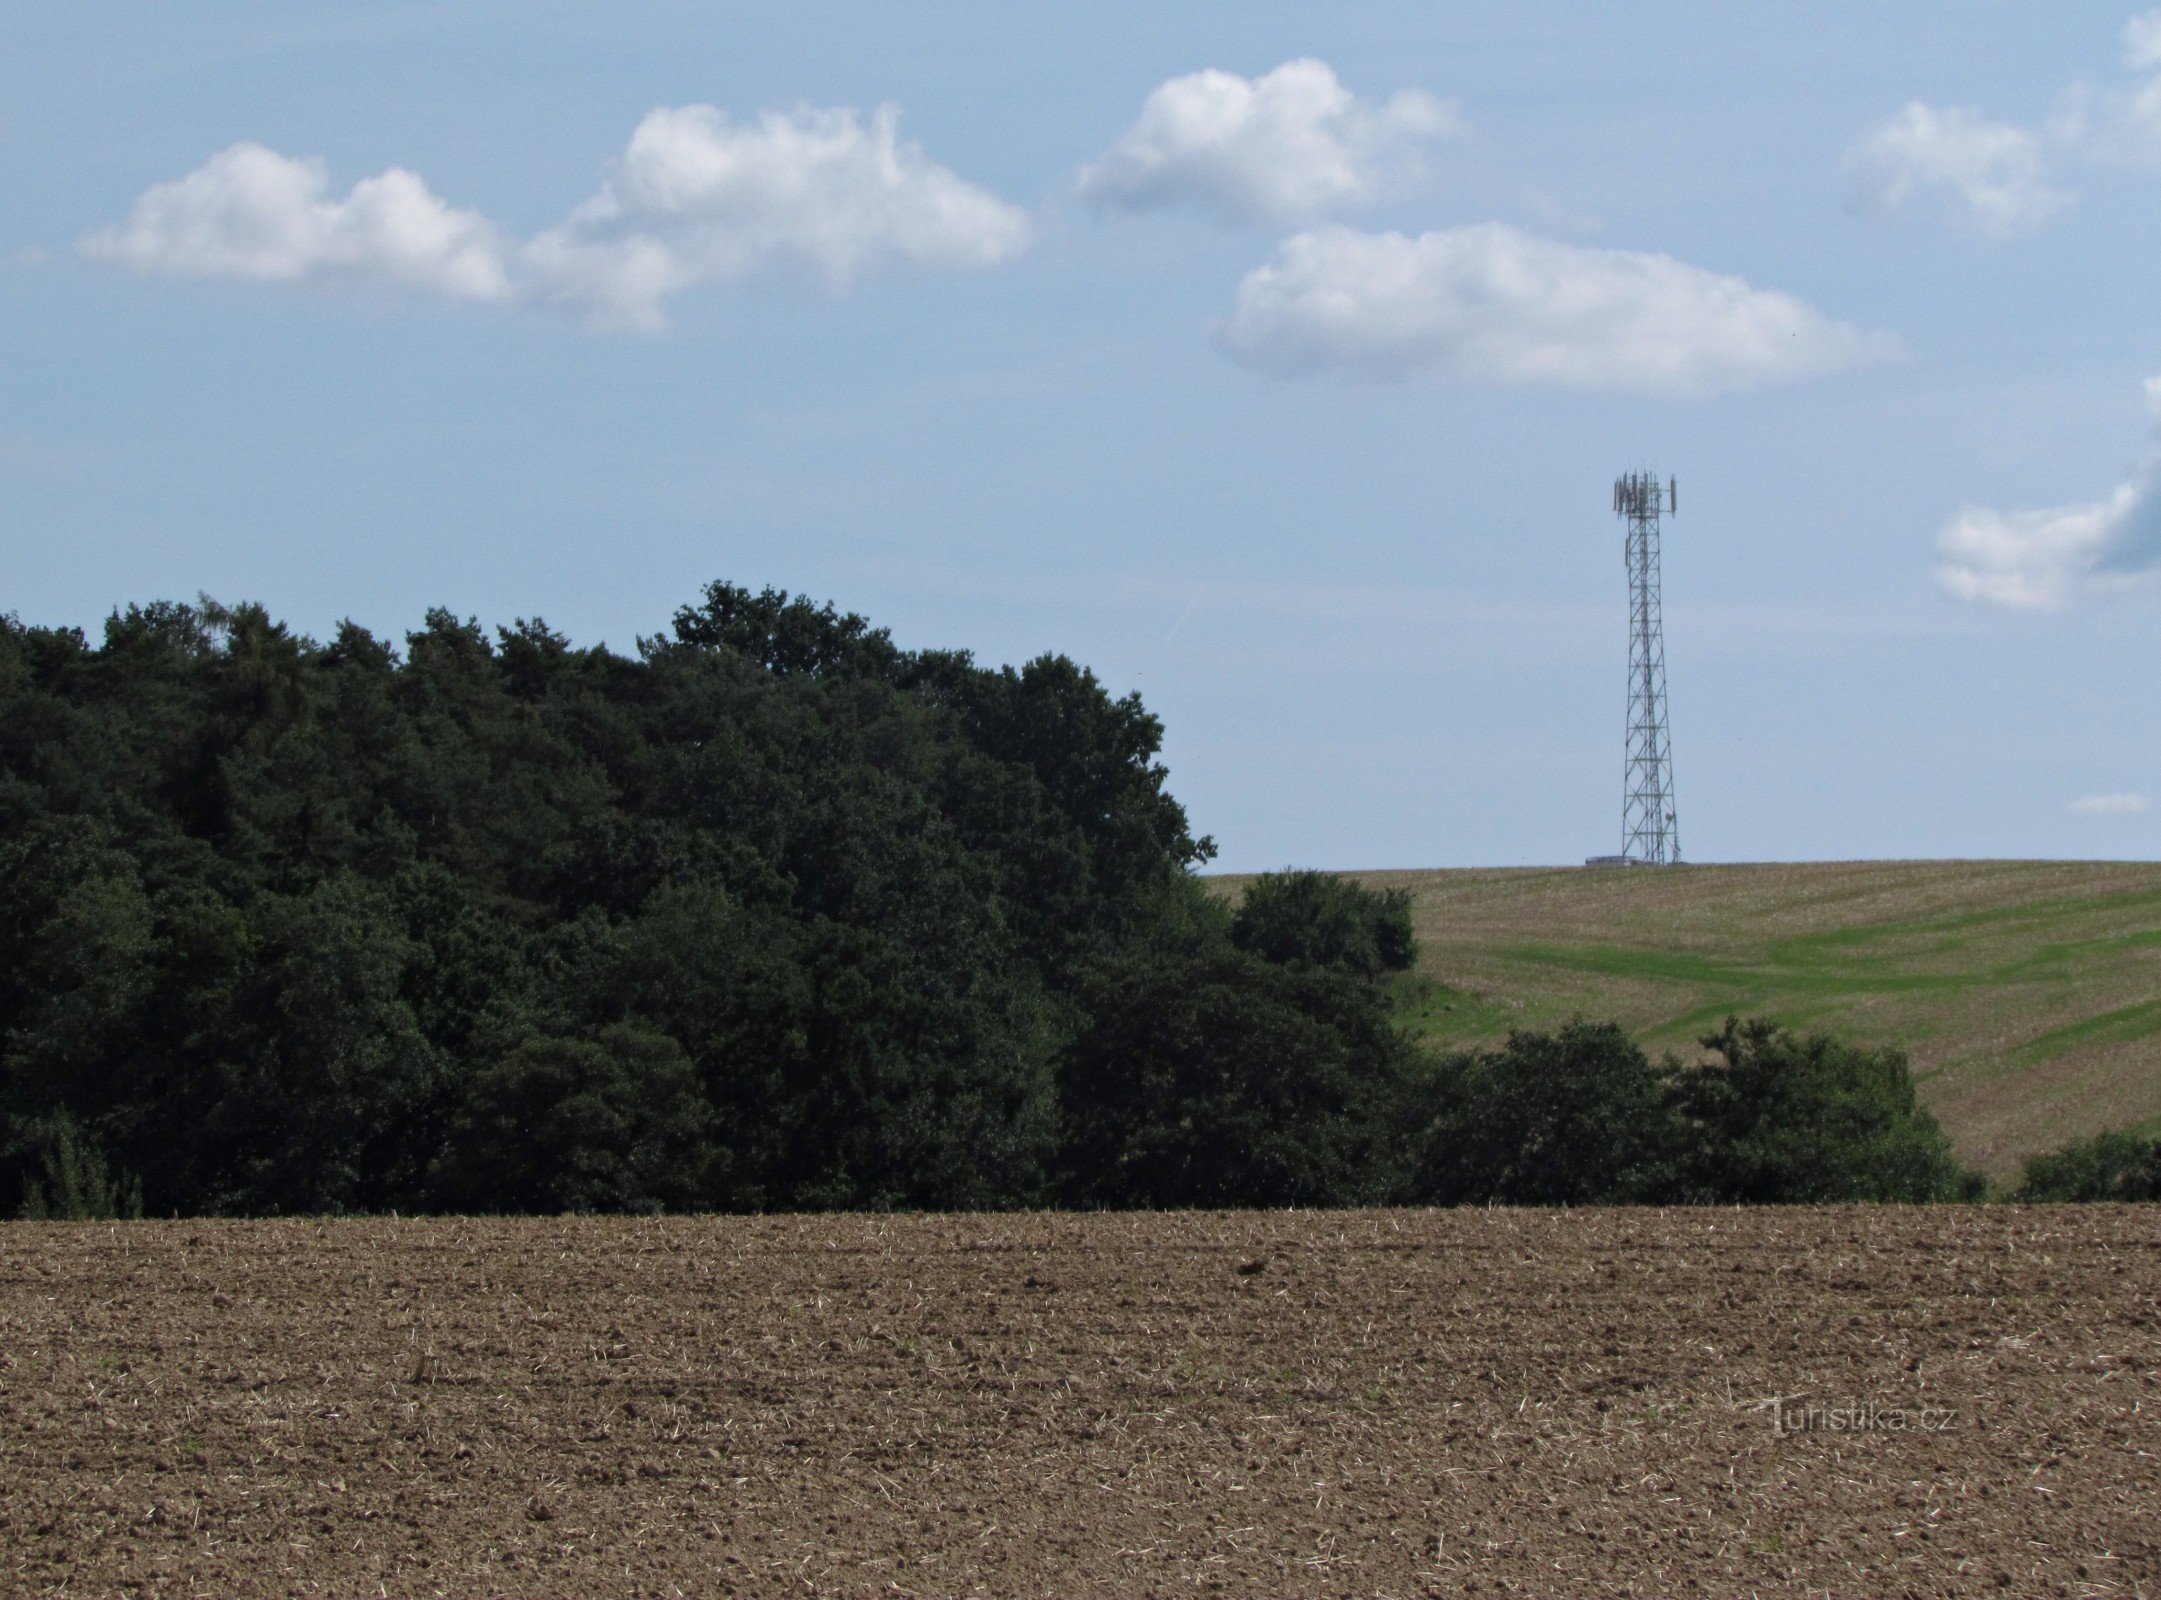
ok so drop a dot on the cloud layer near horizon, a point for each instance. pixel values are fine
(1491, 303)
(2110, 805)
(1288, 147)
(695, 198)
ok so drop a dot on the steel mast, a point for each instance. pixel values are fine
(1650, 827)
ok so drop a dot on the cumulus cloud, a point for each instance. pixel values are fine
(2111, 805)
(696, 198)
(249, 212)
(1490, 303)
(2001, 177)
(2043, 560)
(1287, 147)
(1992, 174)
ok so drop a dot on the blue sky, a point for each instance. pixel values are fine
(1273, 360)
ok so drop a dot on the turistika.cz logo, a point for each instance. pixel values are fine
(1791, 1414)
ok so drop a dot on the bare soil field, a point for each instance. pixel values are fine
(2027, 993)
(1851, 1402)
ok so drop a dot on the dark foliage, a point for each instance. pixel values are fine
(772, 914)
(1779, 1118)
(1582, 1117)
(1218, 1079)
(1578, 1117)
(2109, 1166)
(1319, 919)
(614, 1123)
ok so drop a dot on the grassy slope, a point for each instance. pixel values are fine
(2028, 993)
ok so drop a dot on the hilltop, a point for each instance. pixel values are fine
(2027, 993)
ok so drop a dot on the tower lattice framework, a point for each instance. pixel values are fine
(1650, 827)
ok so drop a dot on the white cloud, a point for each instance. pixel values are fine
(1992, 174)
(2037, 560)
(2111, 805)
(2114, 125)
(2043, 560)
(1287, 147)
(2142, 42)
(2001, 176)
(2119, 126)
(695, 199)
(249, 212)
(699, 198)
(1490, 303)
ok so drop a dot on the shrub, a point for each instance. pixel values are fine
(2109, 1166)
(1778, 1118)
(1578, 1117)
(72, 1182)
(1320, 919)
(608, 1124)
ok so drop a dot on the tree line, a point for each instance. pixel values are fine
(767, 914)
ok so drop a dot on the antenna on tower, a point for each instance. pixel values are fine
(1650, 827)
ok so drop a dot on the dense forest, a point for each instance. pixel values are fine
(770, 914)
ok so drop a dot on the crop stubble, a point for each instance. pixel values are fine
(1367, 1403)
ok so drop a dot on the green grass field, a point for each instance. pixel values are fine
(2027, 993)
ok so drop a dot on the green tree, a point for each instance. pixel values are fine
(1576, 1117)
(289, 925)
(1220, 1079)
(1323, 919)
(324, 1092)
(1776, 1118)
(2115, 1166)
(611, 1123)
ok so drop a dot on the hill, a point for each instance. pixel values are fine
(2027, 993)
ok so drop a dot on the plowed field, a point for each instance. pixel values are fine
(1846, 1402)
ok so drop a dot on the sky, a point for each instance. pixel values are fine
(1275, 361)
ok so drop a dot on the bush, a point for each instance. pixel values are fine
(1778, 1119)
(2109, 1166)
(1578, 1117)
(1320, 919)
(70, 1181)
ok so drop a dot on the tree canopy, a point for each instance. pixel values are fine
(772, 913)
(769, 914)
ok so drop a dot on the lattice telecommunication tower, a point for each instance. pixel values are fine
(1650, 828)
